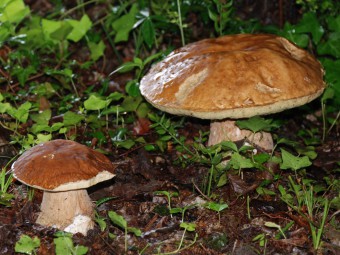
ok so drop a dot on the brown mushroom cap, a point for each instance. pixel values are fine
(234, 76)
(62, 165)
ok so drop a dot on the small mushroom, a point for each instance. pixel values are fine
(63, 169)
(233, 77)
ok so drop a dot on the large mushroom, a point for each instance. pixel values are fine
(233, 77)
(63, 169)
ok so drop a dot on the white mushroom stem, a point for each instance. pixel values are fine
(59, 209)
(228, 131)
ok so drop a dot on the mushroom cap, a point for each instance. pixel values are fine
(62, 165)
(234, 76)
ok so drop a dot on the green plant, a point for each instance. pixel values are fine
(274, 225)
(27, 245)
(217, 207)
(64, 245)
(219, 13)
(119, 221)
(190, 227)
(5, 182)
(168, 195)
(304, 196)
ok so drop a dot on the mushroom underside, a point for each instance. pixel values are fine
(227, 130)
(60, 209)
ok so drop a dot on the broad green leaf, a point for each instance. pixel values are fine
(97, 49)
(126, 144)
(55, 30)
(230, 145)
(13, 11)
(290, 161)
(38, 128)
(115, 96)
(189, 226)
(41, 138)
(95, 103)
(130, 104)
(27, 245)
(5, 107)
(42, 118)
(310, 24)
(117, 219)
(289, 32)
(79, 28)
(331, 46)
(261, 158)
(132, 88)
(35, 38)
(135, 231)
(21, 114)
(148, 32)
(217, 207)
(124, 24)
(71, 118)
(256, 124)
(64, 245)
(102, 224)
(62, 32)
(238, 161)
(334, 23)
(216, 159)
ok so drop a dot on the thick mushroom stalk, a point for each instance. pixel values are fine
(59, 209)
(228, 131)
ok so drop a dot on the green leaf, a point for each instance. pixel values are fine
(42, 118)
(61, 33)
(130, 104)
(126, 144)
(6, 107)
(148, 32)
(55, 31)
(115, 96)
(290, 161)
(124, 24)
(41, 138)
(97, 49)
(238, 161)
(331, 46)
(128, 66)
(310, 24)
(101, 222)
(117, 219)
(334, 23)
(189, 226)
(14, 11)
(21, 114)
(256, 124)
(95, 103)
(289, 32)
(79, 28)
(229, 145)
(135, 231)
(71, 118)
(64, 245)
(217, 207)
(27, 245)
